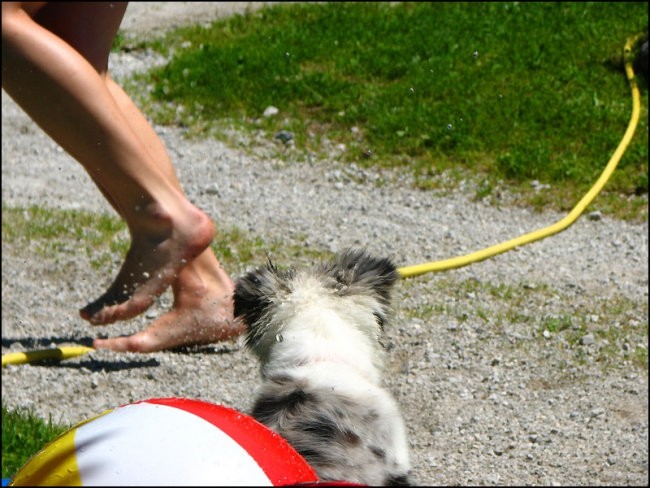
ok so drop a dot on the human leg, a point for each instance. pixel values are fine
(67, 96)
(202, 311)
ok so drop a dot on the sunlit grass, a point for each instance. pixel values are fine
(502, 92)
(618, 324)
(23, 435)
(104, 239)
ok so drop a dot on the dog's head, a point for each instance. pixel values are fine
(266, 298)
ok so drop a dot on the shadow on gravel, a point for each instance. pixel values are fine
(219, 349)
(106, 366)
(122, 363)
(45, 342)
(119, 364)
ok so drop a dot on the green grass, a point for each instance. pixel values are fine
(498, 92)
(23, 435)
(104, 238)
(618, 324)
(48, 232)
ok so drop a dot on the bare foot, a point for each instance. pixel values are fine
(161, 246)
(202, 312)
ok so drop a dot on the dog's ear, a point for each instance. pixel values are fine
(258, 290)
(357, 267)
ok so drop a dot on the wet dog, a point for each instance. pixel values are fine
(317, 335)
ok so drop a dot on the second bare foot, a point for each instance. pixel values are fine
(202, 312)
(153, 262)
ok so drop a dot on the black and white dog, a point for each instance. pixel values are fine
(317, 335)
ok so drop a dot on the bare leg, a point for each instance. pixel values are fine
(60, 70)
(203, 308)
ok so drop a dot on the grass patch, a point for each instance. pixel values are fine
(511, 92)
(104, 239)
(23, 435)
(534, 319)
(51, 232)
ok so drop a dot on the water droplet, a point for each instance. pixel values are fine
(449, 126)
(412, 90)
(145, 274)
(475, 54)
(278, 337)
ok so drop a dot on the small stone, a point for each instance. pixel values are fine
(597, 412)
(539, 186)
(270, 111)
(284, 135)
(596, 215)
(212, 189)
(587, 340)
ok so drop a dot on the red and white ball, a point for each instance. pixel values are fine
(168, 441)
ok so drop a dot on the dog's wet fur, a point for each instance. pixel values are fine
(317, 334)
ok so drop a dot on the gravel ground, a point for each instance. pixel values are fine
(488, 399)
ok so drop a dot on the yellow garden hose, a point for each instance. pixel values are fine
(66, 352)
(63, 352)
(418, 269)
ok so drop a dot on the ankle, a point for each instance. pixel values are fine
(155, 222)
(206, 272)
